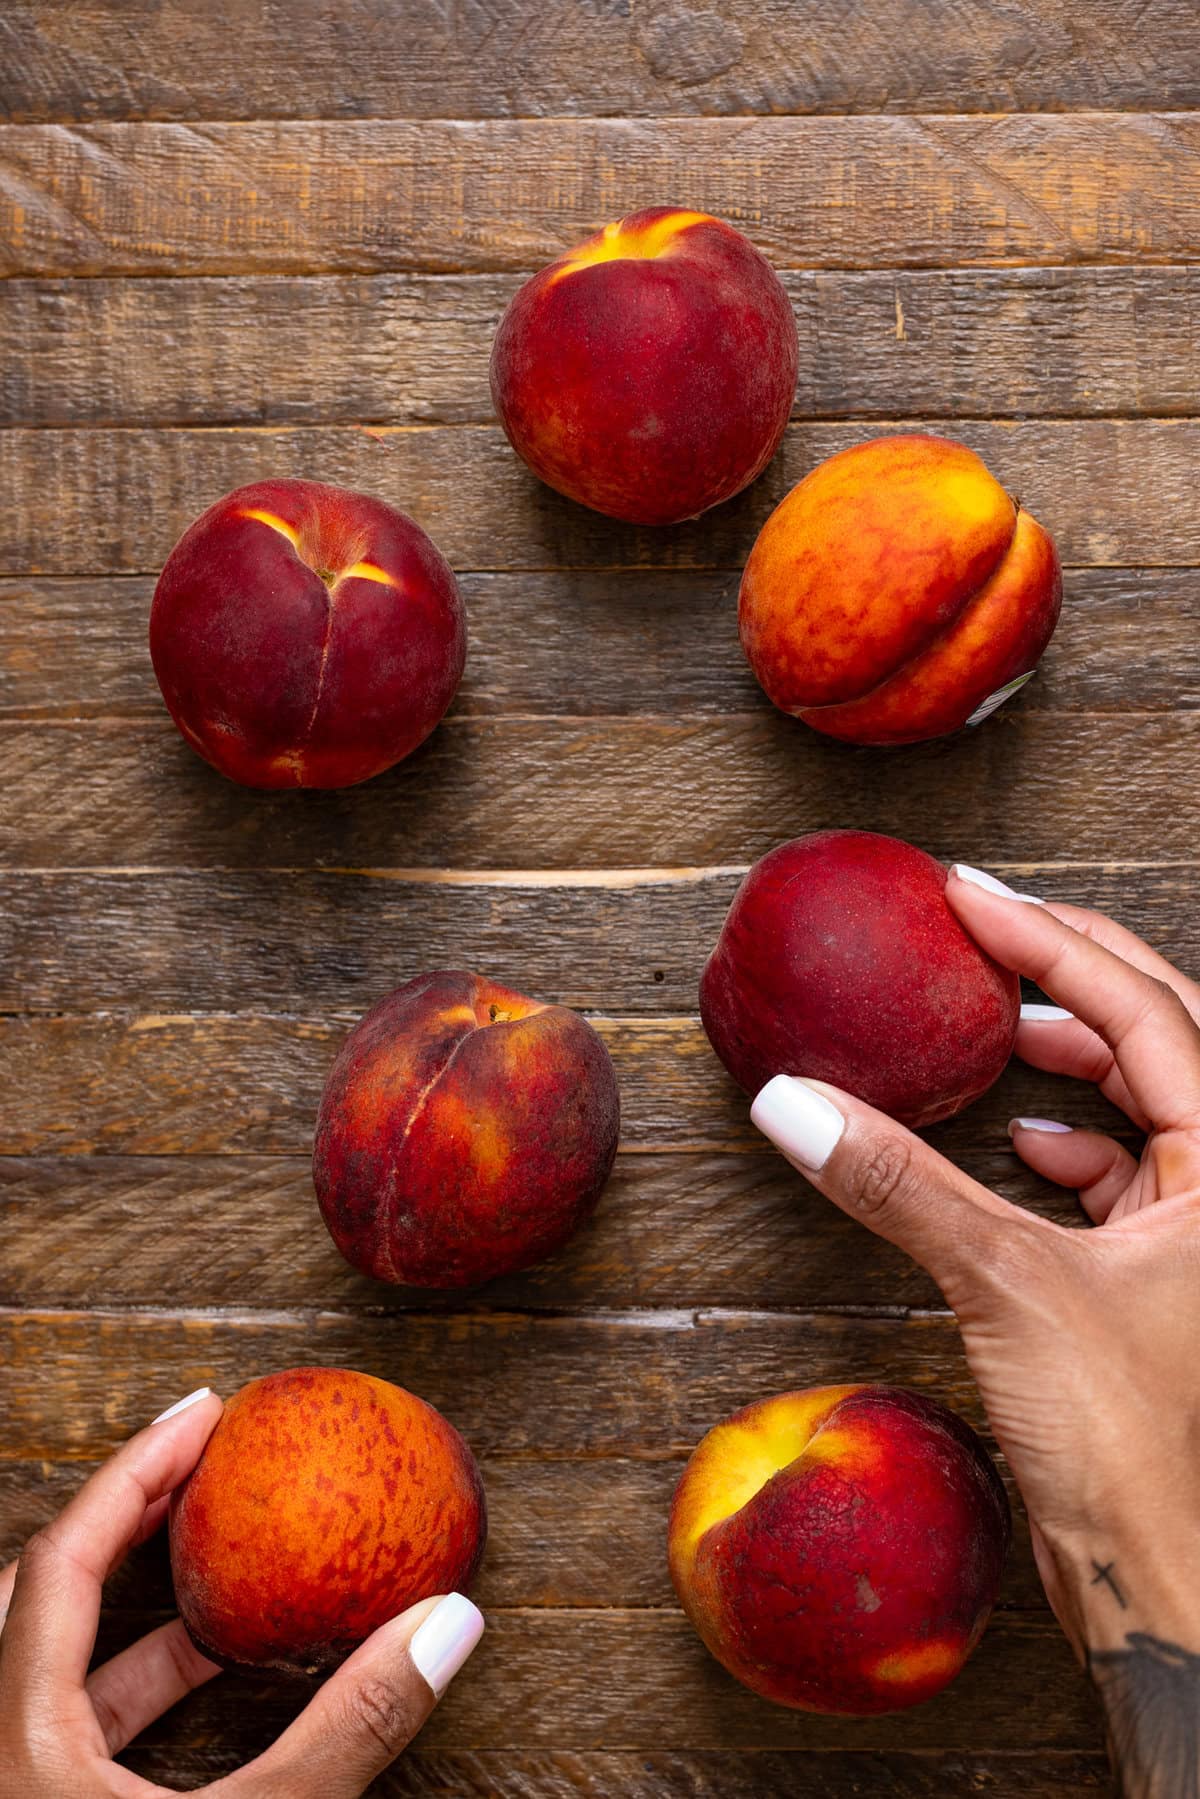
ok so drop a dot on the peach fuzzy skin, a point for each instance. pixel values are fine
(895, 590)
(649, 373)
(464, 1132)
(840, 1549)
(325, 1503)
(305, 635)
(841, 961)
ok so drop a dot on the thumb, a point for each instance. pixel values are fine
(367, 1711)
(888, 1179)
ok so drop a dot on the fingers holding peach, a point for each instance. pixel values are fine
(840, 1549)
(649, 373)
(306, 635)
(464, 1132)
(897, 593)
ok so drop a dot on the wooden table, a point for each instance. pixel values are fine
(246, 240)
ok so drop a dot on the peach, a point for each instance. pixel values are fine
(325, 1502)
(841, 961)
(464, 1132)
(897, 593)
(649, 373)
(839, 1549)
(306, 636)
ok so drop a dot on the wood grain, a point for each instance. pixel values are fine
(74, 646)
(114, 501)
(494, 793)
(404, 349)
(641, 1680)
(231, 59)
(709, 1774)
(323, 196)
(732, 1227)
(314, 943)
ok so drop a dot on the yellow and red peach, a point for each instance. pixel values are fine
(841, 961)
(325, 1503)
(839, 1549)
(305, 635)
(897, 593)
(464, 1132)
(649, 373)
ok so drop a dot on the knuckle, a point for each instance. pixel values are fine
(379, 1708)
(885, 1176)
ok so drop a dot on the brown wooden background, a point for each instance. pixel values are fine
(242, 239)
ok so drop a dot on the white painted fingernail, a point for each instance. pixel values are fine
(445, 1640)
(801, 1122)
(1044, 1015)
(181, 1405)
(977, 878)
(1039, 1124)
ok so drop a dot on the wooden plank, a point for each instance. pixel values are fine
(676, 1228)
(708, 1774)
(139, 59)
(402, 349)
(561, 1533)
(75, 646)
(322, 196)
(114, 501)
(205, 1084)
(310, 943)
(676, 793)
(574, 1680)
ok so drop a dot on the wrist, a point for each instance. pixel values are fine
(1124, 1575)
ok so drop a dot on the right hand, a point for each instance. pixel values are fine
(1085, 1344)
(60, 1726)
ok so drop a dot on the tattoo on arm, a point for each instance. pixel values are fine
(1151, 1693)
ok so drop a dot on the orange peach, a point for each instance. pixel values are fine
(325, 1503)
(839, 1549)
(305, 635)
(897, 593)
(649, 373)
(464, 1132)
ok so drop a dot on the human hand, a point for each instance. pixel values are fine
(61, 1726)
(1083, 1343)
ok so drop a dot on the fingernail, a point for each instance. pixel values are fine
(1044, 1014)
(1039, 1124)
(800, 1121)
(445, 1640)
(977, 878)
(181, 1405)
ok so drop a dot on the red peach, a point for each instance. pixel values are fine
(325, 1503)
(841, 961)
(897, 593)
(649, 373)
(464, 1132)
(306, 636)
(840, 1549)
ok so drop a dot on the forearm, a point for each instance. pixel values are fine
(1134, 1598)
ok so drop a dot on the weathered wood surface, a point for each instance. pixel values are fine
(612, 793)
(412, 58)
(1112, 491)
(75, 646)
(313, 944)
(319, 196)
(404, 349)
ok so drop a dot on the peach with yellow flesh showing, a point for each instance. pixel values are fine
(840, 960)
(325, 1503)
(649, 373)
(897, 593)
(305, 635)
(465, 1131)
(840, 1549)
